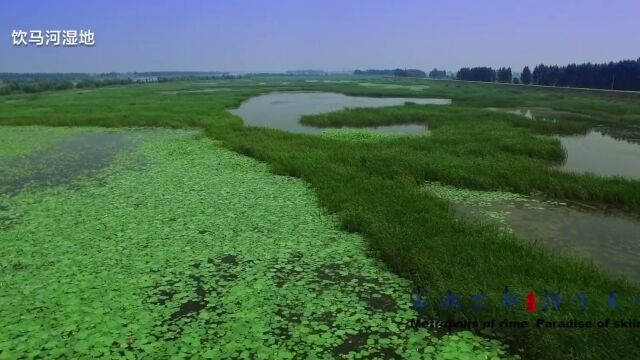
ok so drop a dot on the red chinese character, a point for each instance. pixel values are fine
(532, 303)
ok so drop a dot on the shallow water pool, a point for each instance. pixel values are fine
(283, 110)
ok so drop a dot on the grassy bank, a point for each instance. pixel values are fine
(479, 149)
(375, 188)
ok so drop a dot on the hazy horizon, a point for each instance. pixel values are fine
(276, 36)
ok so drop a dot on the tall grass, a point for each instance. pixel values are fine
(378, 193)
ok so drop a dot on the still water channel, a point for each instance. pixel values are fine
(282, 110)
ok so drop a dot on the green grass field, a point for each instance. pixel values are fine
(375, 187)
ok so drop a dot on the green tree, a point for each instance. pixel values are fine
(525, 77)
(504, 75)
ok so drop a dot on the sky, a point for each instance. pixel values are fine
(333, 35)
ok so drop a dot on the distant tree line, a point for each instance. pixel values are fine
(486, 74)
(409, 73)
(373, 72)
(30, 87)
(306, 72)
(172, 74)
(394, 72)
(35, 86)
(621, 75)
(94, 83)
(165, 79)
(504, 75)
(38, 82)
(437, 74)
(525, 76)
(24, 77)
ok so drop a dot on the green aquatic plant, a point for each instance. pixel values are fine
(484, 202)
(359, 135)
(472, 197)
(479, 201)
(202, 253)
(22, 140)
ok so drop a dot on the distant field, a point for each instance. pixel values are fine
(373, 185)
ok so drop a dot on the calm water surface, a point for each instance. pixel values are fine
(601, 154)
(611, 241)
(283, 110)
(604, 151)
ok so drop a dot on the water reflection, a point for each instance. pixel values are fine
(601, 154)
(283, 110)
(611, 241)
(604, 151)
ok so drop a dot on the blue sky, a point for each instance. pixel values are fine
(270, 35)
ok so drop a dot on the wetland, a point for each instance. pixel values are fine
(166, 239)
